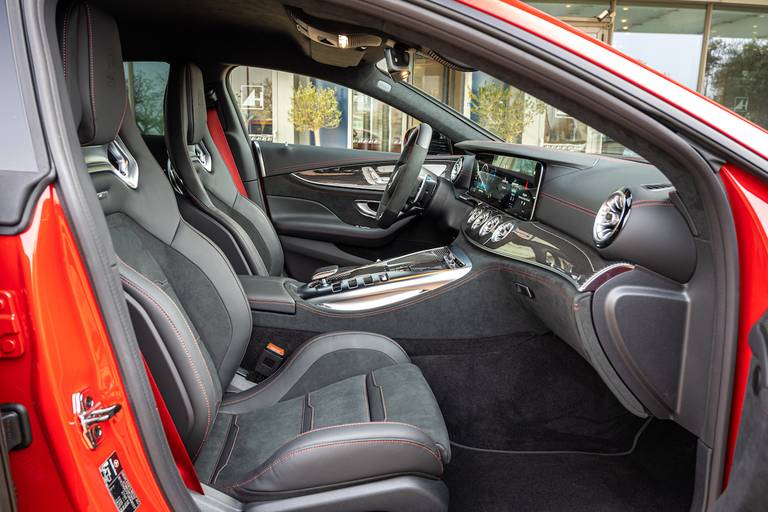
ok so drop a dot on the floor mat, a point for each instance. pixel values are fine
(657, 475)
(527, 392)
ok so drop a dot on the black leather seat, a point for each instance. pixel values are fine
(196, 159)
(347, 411)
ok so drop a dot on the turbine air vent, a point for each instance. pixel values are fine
(611, 217)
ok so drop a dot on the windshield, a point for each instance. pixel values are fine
(509, 113)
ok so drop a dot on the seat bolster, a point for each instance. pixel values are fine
(343, 454)
(308, 354)
(195, 369)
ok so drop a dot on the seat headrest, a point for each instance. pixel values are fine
(186, 92)
(93, 69)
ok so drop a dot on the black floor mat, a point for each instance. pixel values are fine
(657, 475)
(523, 393)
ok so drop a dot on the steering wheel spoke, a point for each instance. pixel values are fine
(405, 193)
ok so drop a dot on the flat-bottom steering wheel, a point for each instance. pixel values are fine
(405, 176)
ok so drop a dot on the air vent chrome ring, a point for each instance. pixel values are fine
(481, 218)
(490, 225)
(501, 232)
(473, 214)
(611, 217)
(456, 169)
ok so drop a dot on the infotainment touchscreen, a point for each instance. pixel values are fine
(509, 183)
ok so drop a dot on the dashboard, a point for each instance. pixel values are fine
(576, 214)
(603, 251)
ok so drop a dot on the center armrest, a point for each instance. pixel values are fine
(268, 294)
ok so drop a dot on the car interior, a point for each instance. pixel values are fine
(464, 323)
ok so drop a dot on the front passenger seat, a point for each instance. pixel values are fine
(347, 423)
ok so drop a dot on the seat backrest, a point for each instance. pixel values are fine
(193, 319)
(206, 177)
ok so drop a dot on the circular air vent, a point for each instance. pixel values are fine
(611, 217)
(473, 214)
(456, 169)
(490, 225)
(502, 231)
(484, 215)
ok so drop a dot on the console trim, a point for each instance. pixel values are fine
(532, 243)
(397, 290)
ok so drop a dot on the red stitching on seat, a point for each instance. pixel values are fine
(334, 445)
(90, 68)
(186, 351)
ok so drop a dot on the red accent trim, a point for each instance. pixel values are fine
(748, 197)
(179, 451)
(220, 139)
(569, 204)
(67, 351)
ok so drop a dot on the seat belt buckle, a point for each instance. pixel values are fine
(269, 361)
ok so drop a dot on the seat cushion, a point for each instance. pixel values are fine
(376, 423)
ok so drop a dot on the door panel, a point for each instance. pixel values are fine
(746, 486)
(289, 158)
(326, 196)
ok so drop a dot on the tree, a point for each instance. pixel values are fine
(737, 76)
(148, 94)
(314, 108)
(504, 110)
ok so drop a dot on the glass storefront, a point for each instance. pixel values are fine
(667, 39)
(572, 9)
(737, 63)
(286, 107)
(719, 50)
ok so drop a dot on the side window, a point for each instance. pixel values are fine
(513, 115)
(286, 107)
(146, 83)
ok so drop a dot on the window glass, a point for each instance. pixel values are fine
(146, 83)
(667, 39)
(737, 63)
(286, 107)
(509, 113)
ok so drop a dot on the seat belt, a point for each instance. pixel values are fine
(220, 140)
(178, 450)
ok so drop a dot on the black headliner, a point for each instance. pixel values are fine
(228, 31)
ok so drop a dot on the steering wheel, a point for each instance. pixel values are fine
(405, 176)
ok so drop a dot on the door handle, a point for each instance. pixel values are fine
(367, 208)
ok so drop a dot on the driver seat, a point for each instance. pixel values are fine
(206, 178)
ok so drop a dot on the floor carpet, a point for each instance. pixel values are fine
(528, 392)
(657, 475)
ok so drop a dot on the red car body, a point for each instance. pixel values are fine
(53, 337)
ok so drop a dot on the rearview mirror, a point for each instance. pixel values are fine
(398, 62)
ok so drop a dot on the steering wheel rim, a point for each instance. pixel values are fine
(405, 175)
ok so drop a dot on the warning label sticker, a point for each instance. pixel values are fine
(119, 487)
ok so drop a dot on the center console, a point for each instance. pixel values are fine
(386, 282)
